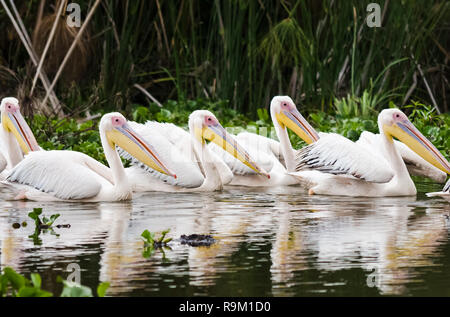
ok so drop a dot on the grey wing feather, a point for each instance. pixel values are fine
(337, 155)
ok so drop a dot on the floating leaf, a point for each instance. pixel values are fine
(36, 280)
(37, 211)
(29, 291)
(102, 288)
(72, 289)
(147, 235)
(16, 280)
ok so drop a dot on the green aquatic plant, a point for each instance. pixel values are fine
(149, 238)
(433, 125)
(16, 285)
(13, 284)
(44, 223)
(151, 243)
(73, 289)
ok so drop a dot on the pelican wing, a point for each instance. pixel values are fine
(258, 147)
(262, 143)
(63, 174)
(173, 144)
(415, 164)
(335, 154)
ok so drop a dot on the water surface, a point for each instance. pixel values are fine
(270, 242)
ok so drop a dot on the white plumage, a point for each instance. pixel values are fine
(264, 144)
(257, 151)
(335, 154)
(260, 148)
(65, 175)
(70, 175)
(3, 162)
(363, 160)
(334, 165)
(416, 165)
(196, 166)
(277, 158)
(13, 130)
(174, 146)
(264, 147)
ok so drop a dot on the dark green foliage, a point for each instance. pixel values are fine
(244, 52)
(13, 284)
(73, 289)
(16, 285)
(435, 127)
(68, 134)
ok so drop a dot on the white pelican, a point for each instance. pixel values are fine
(445, 193)
(16, 138)
(70, 175)
(281, 155)
(186, 153)
(334, 165)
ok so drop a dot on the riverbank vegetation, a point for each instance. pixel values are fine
(69, 133)
(13, 284)
(162, 59)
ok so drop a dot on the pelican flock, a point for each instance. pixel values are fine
(280, 155)
(70, 175)
(197, 167)
(167, 158)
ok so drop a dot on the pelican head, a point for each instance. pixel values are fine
(205, 126)
(284, 111)
(394, 123)
(115, 128)
(13, 122)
